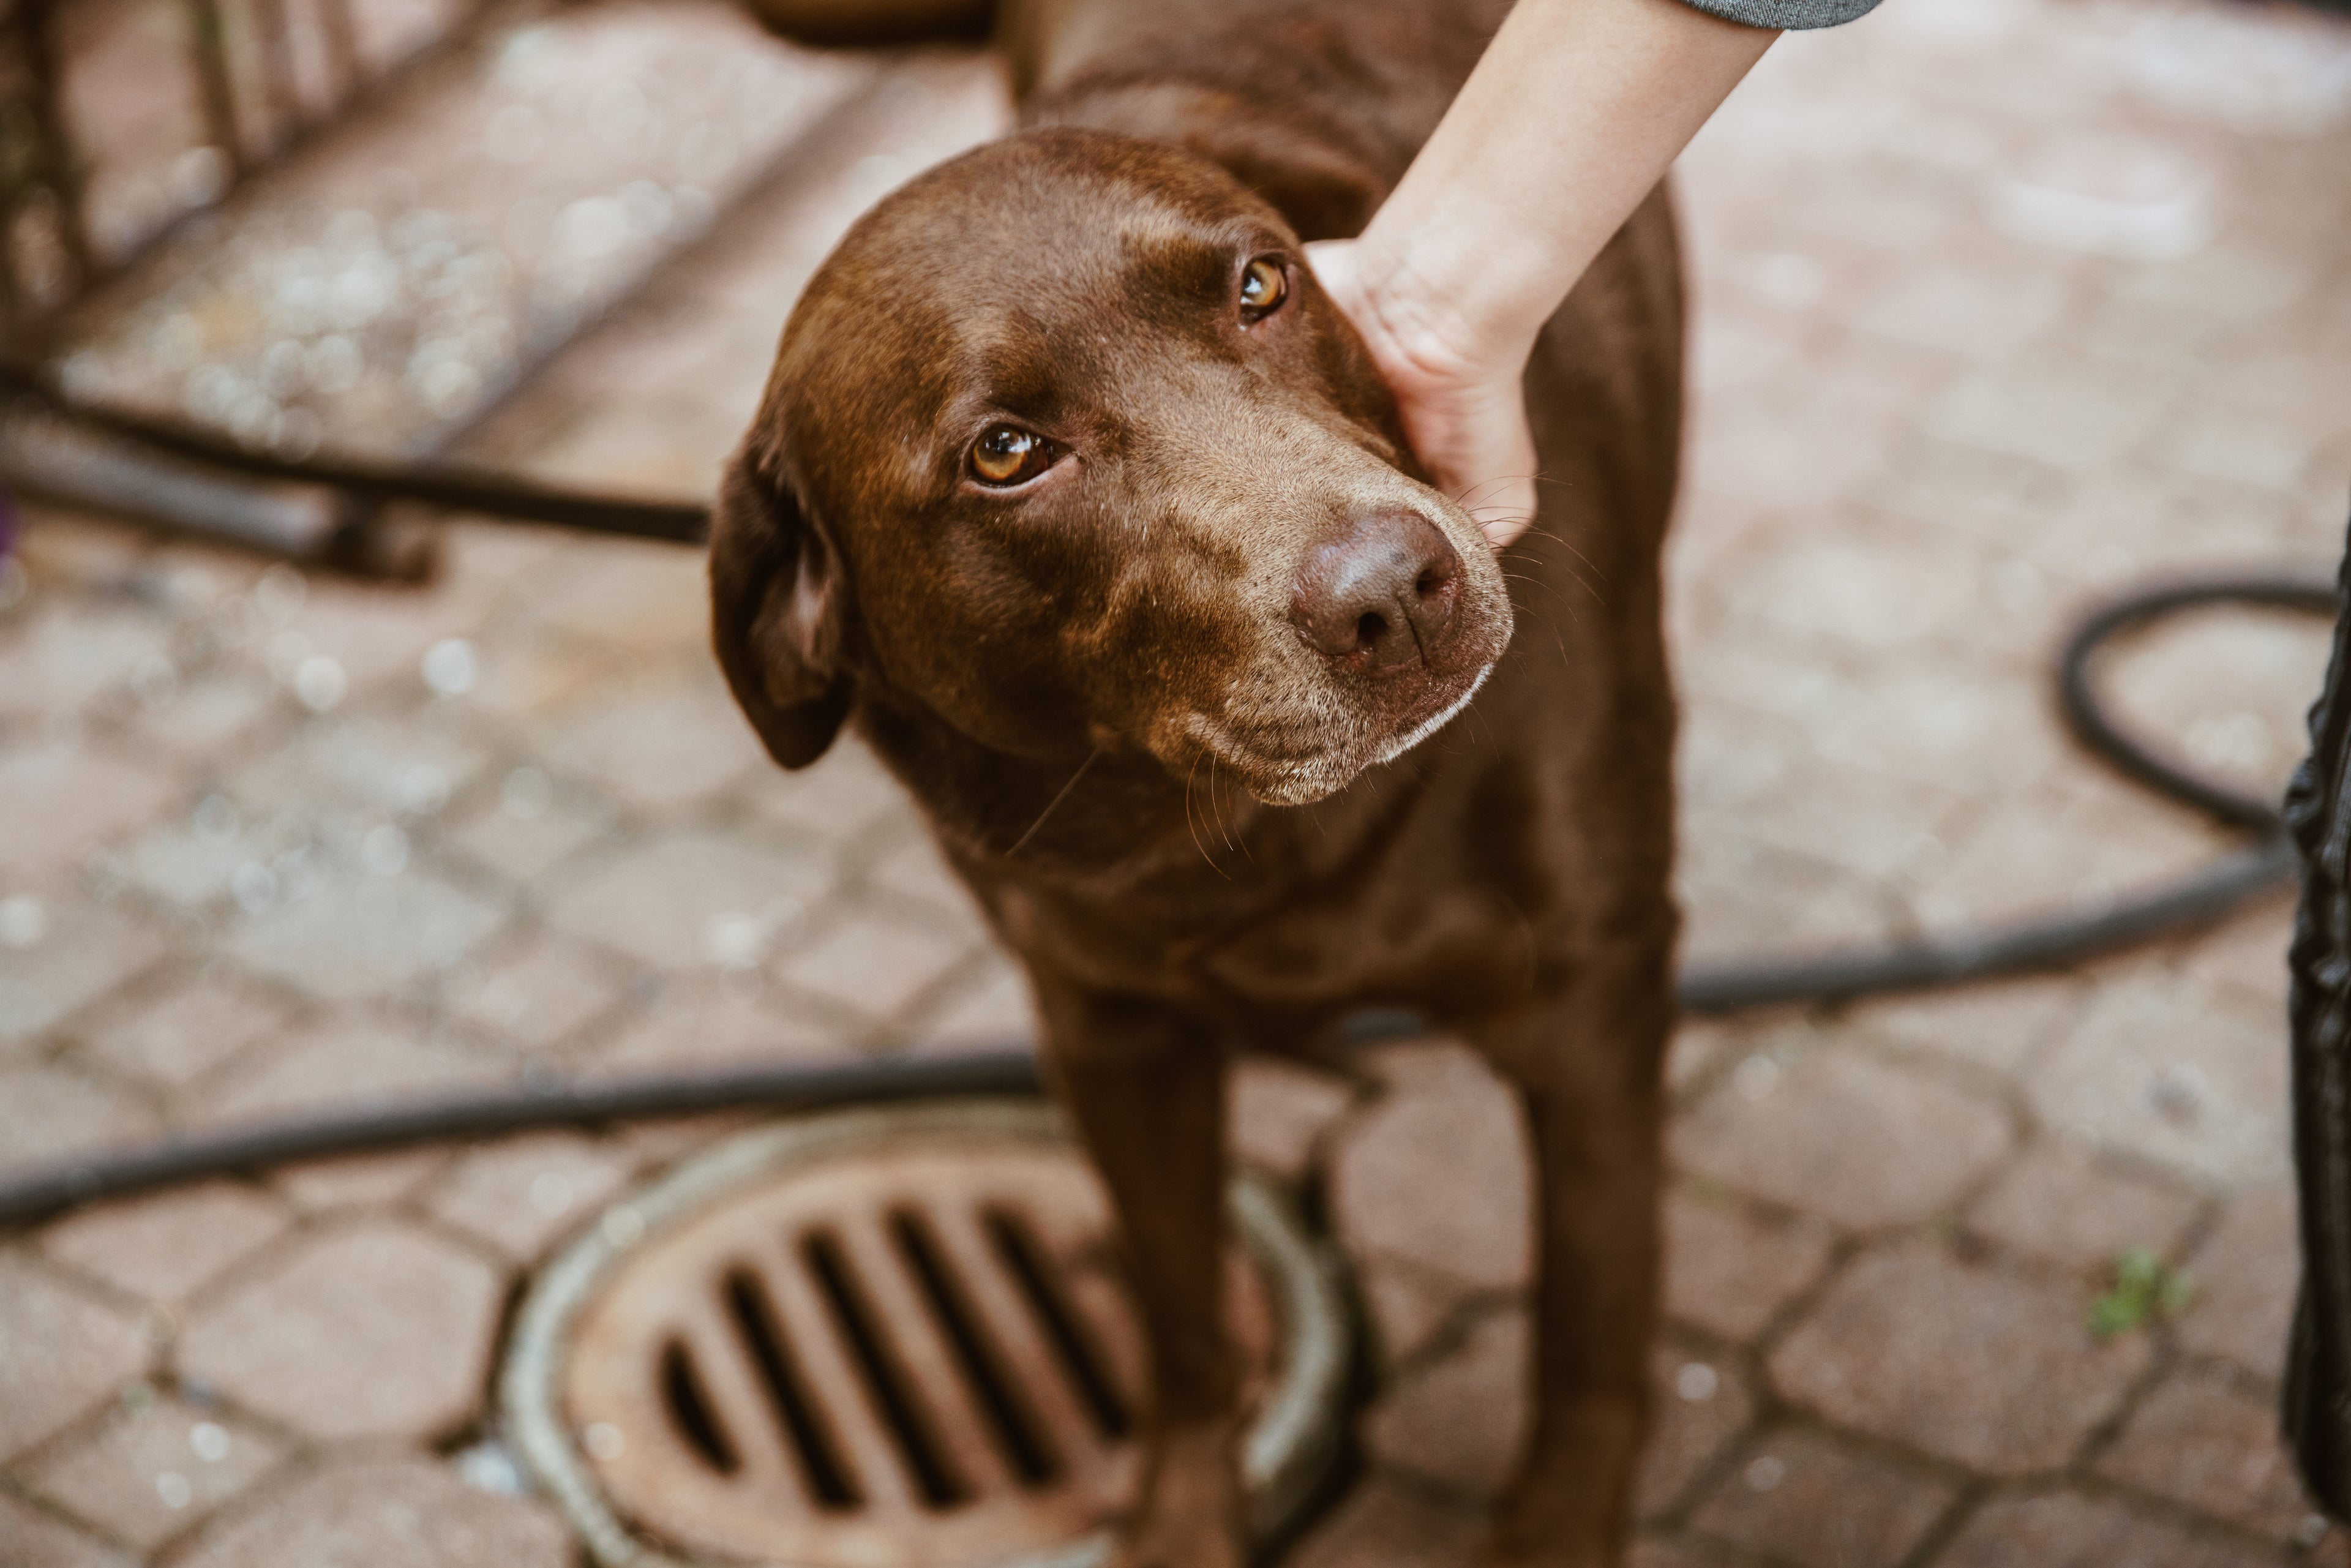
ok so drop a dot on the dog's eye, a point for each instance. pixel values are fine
(1265, 283)
(1006, 455)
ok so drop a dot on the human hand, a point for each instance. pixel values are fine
(1463, 403)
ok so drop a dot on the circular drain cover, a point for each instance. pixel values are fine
(884, 1338)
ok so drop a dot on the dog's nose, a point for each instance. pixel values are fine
(1386, 588)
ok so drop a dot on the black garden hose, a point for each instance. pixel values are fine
(2190, 902)
(2267, 862)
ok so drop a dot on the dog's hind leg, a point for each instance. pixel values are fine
(1589, 1064)
(1146, 1086)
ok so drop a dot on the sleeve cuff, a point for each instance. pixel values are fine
(1792, 16)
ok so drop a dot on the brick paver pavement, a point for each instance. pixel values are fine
(1998, 303)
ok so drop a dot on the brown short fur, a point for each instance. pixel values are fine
(1173, 810)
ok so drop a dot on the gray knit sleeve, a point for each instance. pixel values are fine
(1790, 14)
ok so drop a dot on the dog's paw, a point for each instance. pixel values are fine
(1166, 1539)
(1555, 1555)
(1533, 1536)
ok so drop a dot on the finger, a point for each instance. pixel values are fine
(1505, 526)
(1333, 263)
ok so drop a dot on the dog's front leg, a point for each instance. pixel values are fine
(1589, 1064)
(1146, 1085)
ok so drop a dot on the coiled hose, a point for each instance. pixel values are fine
(2266, 861)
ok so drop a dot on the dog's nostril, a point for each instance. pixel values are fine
(1379, 593)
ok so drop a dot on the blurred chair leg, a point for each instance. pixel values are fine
(53, 460)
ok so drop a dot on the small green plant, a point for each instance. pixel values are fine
(2145, 1290)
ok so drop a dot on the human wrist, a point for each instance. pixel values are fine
(1433, 317)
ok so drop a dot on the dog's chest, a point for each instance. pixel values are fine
(1294, 952)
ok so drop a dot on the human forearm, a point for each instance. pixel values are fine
(1572, 117)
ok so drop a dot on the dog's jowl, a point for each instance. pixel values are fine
(1074, 496)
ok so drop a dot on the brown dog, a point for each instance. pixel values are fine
(1075, 495)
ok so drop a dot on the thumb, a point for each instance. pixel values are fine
(1480, 450)
(1503, 502)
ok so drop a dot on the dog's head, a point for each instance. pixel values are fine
(1064, 445)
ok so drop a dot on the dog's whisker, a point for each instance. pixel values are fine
(1216, 808)
(1573, 575)
(1236, 839)
(1558, 598)
(1461, 498)
(1235, 834)
(1545, 584)
(1189, 775)
(1570, 548)
(1061, 795)
(1526, 520)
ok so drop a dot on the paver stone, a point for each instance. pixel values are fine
(520, 1195)
(58, 803)
(538, 994)
(876, 966)
(736, 1021)
(529, 826)
(2068, 1529)
(376, 1328)
(2203, 1441)
(62, 1352)
(2245, 1276)
(1461, 1419)
(2177, 1075)
(1436, 1172)
(987, 1003)
(2056, 1203)
(344, 1059)
(1998, 1027)
(46, 1112)
(1382, 1524)
(660, 748)
(1406, 1306)
(403, 1509)
(86, 949)
(167, 1246)
(188, 1031)
(1863, 1142)
(1729, 1272)
(1996, 1371)
(1698, 1403)
(1278, 1110)
(40, 1540)
(1803, 1498)
(153, 1471)
(689, 899)
(355, 932)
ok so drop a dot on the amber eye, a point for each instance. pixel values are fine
(1264, 285)
(1007, 454)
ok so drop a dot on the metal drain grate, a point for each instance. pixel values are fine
(887, 1337)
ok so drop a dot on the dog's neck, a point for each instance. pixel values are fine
(1079, 819)
(1104, 864)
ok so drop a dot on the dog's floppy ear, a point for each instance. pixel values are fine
(775, 613)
